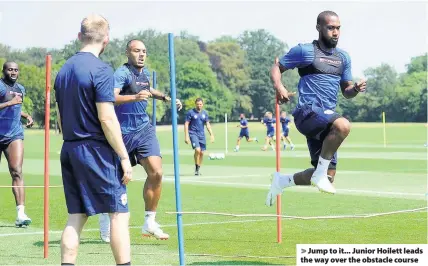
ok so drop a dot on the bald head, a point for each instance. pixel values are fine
(136, 53)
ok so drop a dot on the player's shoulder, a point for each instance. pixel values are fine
(21, 87)
(303, 48)
(343, 54)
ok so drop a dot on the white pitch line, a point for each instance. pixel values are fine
(134, 227)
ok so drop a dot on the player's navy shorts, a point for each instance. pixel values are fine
(91, 175)
(314, 122)
(244, 134)
(142, 144)
(270, 133)
(5, 141)
(285, 132)
(197, 142)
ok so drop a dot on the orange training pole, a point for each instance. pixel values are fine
(47, 142)
(278, 166)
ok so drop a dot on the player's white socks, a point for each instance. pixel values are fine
(286, 180)
(150, 217)
(322, 167)
(237, 147)
(20, 209)
(272, 146)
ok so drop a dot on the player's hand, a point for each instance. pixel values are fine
(179, 104)
(187, 140)
(16, 100)
(127, 171)
(361, 86)
(212, 138)
(30, 122)
(143, 95)
(283, 95)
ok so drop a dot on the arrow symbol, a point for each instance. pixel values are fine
(303, 250)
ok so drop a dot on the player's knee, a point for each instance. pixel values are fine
(343, 126)
(156, 175)
(16, 172)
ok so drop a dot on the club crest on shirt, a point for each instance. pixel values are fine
(15, 93)
(196, 116)
(203, 116)
(124, 199)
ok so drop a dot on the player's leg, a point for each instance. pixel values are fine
(102, 191)
(77, 218)
(70, 237)
(251, 139)
(203, 147)
(288, 139)
(338, 132)
(238, 143)
(152, 192)
(14, 154)
(267, 142)
(194, 140)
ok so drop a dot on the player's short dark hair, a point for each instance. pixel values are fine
(7, 63)
(323, 15)
(199, 100)
(128, 44)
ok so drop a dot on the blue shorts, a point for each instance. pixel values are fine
(270, 134)
(142, 144)
(91, 175)
(314, 122)
(244, 134)
(5, 141)
(285, 132)
(198, 142)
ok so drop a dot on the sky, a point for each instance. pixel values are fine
(372, 32)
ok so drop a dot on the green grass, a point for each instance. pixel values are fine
(370, 179)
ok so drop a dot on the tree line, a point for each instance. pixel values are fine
(232, 75)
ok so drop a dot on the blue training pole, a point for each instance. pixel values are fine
(154, 101)
(175, 144)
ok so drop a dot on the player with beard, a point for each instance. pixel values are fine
(132, 89)
(12, 134)
(323, 68)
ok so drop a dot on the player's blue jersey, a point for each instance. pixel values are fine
(81, 82)
(321, 73)
(197, 120)
(10, 117)
(244, 123)
(284, 123)
(132, 116)
(270, 124)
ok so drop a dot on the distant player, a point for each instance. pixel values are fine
(245, 132)
(12, 135)
(285, 130)
(195, 134)
(269, 122)
(323, 69)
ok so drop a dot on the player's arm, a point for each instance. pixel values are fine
(121, 79)
(208, 125)
(15, 100)
(30, 121)
(161, 96)
(58, 115)
(348, 87)
(104, 98)
(186, 132)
